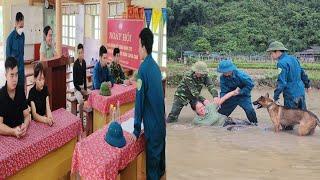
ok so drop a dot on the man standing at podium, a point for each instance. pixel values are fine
(15, 46)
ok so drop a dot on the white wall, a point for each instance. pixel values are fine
(80, 25)
(91, 49)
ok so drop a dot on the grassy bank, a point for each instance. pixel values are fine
(266, 65)
(264, 74)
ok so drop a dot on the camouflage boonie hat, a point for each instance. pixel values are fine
(276, 46)
(200, 67)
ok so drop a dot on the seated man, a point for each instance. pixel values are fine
(80, 78)
(189, 90)
(101, 72)
(116, 69)
(14, 112)
(231, 79)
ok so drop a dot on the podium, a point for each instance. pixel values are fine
(55, 79)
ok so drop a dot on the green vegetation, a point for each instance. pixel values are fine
(249, 65)
(243, 27)
(266, 77)
(266, 65)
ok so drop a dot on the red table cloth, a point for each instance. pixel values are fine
(93, 158)
(123, 94)
(16, 154)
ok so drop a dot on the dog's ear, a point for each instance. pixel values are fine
(267, 95)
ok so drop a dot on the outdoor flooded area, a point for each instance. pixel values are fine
(246, 153)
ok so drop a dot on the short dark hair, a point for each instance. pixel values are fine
(116, 51)
(103, 50)
(38, 68)
(46, 30)
(146, 37)
(80, 46)
(19, 17)
(10, 63)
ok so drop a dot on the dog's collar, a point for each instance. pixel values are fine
(270, 105)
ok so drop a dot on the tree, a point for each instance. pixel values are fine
(202, 45)
(242, 26)
(172, 53)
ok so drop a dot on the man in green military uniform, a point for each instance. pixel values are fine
(189, 90)
(116, 69)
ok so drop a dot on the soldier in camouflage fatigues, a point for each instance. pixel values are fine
(116, 69)
(189, 90)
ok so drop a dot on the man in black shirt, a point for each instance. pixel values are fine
(80, 78)
(14, 112)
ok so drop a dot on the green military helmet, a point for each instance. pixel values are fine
(104, 89)
(200, 67)
(276, 46)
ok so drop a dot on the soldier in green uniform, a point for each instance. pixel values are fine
(189, 90)
(116, 69)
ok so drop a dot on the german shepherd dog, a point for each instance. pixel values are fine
(282, 117)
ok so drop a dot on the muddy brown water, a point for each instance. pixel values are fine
(248, 153)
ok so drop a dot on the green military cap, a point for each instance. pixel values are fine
(104, 89)
(276, 46)
(200, 67)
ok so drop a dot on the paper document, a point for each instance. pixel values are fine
(129, 125)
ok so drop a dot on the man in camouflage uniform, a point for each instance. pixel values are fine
(189, 90)
(116, 69)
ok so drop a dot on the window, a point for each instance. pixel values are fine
(96, 27)
(69, 30)
(164, 46)
(92, 17)
(159, 50)
(92, 21)
(116, 9)
(112, 10)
